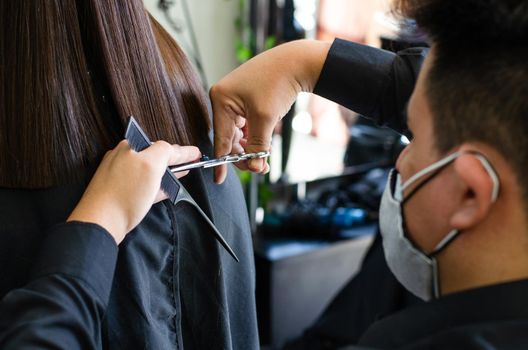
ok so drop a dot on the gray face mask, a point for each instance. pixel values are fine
(416, 270)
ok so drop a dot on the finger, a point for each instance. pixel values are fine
(224, 132)
(237, 147)
(220, 174)
(160, 151)
(239, 135)
(224, 122)
(223, 139)
(259, 139)
(266, 168)
(108, 155)
(243, 142)
(181, 174)
(243, 165)
(240, 121)
(171, 154)
(183, 154)
(256, 165)
(119, 150)
(122, 146)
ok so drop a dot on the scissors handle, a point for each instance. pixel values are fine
(209, 163)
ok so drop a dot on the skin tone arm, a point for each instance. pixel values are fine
(118, 205)
(255, 96)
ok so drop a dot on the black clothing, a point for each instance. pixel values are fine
(372, 82)
(378, 84)
(493, 317)
(63, 305)
(175, 287)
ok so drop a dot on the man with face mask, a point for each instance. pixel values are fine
(453, 216)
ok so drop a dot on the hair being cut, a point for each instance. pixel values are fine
(72, 71)
(478, 83)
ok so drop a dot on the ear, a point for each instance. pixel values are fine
(475, 202)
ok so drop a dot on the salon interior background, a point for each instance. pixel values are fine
(291, 263)
(213, 24)
(207, 31)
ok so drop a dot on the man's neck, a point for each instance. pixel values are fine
(494, 253)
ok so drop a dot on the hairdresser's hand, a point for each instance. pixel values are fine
(127, 183)
(249, 102)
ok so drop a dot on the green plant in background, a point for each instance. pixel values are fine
(245, 49)
(246, 43)
(265, 194)
(244, 176)
(271, 41)
(246, 40)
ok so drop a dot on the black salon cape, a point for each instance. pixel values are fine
(374, 311)
(174, 286)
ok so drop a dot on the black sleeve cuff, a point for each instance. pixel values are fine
(355, 76)
(81, 250)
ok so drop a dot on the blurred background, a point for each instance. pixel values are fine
(314, 216)
(220, 34)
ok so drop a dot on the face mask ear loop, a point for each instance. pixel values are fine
(495, 192)
(492, 174)
(439, 247)
(430, 168)
(421, 184)
(444, 242)
(434, 168)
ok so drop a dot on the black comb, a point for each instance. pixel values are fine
(138, 141)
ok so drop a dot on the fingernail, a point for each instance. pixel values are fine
(255, 165)
(219, 177)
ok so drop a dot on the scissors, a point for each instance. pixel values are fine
(175, 190)
(205, 162)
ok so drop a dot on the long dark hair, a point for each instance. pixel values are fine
(72, 71)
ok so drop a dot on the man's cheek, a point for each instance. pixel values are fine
(402, 159)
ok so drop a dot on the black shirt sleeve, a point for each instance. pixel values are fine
(370, 81)
(63, 304)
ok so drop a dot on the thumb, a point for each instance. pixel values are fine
(259, 136)
(224, 132)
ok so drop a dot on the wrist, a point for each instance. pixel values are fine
(309, 57)
(104, 216)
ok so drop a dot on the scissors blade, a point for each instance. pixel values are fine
(188, 166)
(232, 158)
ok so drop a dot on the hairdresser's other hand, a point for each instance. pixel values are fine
(127, 184)
(249, 102)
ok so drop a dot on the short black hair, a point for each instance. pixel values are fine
(477, 86)
(473, 22)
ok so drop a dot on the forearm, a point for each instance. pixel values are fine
(370, 81)
(307, 61)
